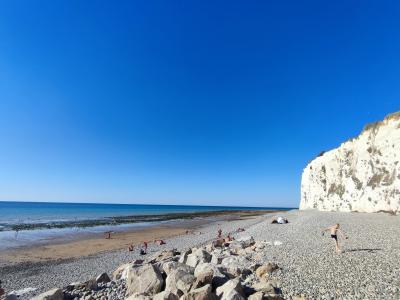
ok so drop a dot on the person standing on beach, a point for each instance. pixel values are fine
(334, 230)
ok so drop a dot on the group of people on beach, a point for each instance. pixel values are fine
(143, 249)
(334, 232)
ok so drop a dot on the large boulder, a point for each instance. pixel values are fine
(179, 281)
(203, 279)
(170, 266)
(202, 293)
(232, 285)
(146, 279)
(138, 297)
(232, 295)
(103, 278)
(184, 256)
(266, 287)
(122, 271)
(164, 255)
(246, 241)
(235, 262)
(165, 295)
(54, 294)
(198, 256)
(256, 296)
(219, 275)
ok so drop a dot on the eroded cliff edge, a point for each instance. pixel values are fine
(363, 174)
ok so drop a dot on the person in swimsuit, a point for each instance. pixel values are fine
(334, 230)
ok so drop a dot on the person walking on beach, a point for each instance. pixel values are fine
(334, 230)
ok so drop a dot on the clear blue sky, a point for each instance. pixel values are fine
(186, 102)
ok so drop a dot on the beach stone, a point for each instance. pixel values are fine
(256, 296)
(246, 241)
(198, 256)
(216, 258)
(235, 262)
(170, 266)
(266, 269)
(203, 267)
(203, 279)
(91, 285)
(219, 275)
(138, 296)
(145, 279)
(233, 284)
(164, 255)
(202, 293)
(165, 295)
(184, 255)
(232, 295)
(103, 278)
(54, 294)
(179, 281)
(265, 287)
(122, 271)
(11, 297)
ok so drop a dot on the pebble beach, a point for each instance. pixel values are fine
(368, 267)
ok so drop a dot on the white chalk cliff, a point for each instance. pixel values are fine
(363, 174)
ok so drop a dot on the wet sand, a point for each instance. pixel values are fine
(90, 246)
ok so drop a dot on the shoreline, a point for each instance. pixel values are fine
(86, 244)
(367, 268)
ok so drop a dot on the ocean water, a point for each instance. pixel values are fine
(25, 223)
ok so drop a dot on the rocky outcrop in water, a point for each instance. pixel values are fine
(362, 175)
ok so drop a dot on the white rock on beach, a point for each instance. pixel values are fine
(202, 293)
(179, 281)
(165, 295)
(198, 256)
(362, 175)
(145, 279)
(228, 287)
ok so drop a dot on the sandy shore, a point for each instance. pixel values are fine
(86, 247)
(369, 267)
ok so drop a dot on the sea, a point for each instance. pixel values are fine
(26, 223)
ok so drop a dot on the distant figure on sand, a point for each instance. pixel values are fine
(219, 233)
(145, 246)
(130, 248)
(334, 230)
(229, 238)
(159, 242)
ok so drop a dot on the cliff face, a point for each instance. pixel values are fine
(363, 174)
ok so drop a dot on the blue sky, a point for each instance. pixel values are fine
(186, 102)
